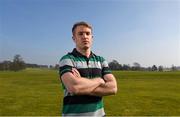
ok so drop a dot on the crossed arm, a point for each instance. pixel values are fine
(82, 86)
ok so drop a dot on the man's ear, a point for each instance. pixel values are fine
(73, 38)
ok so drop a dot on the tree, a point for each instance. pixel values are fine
(149, 69)
(5, 65)
(160, 68)
(154, 68)
(126, 67)
(51, 66)
(18, 63)
(114, 65)
(57, 66)
(136, 66)
(173, 68)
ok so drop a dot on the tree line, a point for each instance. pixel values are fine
(19, 64)
(16, 65)
(115, 65)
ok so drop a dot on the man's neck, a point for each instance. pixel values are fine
(85, 52)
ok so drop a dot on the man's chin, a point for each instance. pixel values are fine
(86, 47)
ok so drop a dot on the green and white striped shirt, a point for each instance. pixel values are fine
(94, 66)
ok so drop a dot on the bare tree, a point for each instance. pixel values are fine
(173, 68)
(114, 65)
(160, 68)
(136, 66)
(154, 68)
(18, 63)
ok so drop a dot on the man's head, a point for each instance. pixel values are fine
(82, 23)
(82, 35)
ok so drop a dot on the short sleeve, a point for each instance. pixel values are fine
(65, 65)
(105, 67)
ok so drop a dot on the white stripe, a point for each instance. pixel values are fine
(81, 64)
(98, 113)
(105, 64)
(66, 62)
(91, 64)
(94, 64)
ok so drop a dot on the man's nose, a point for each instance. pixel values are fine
(84, 35)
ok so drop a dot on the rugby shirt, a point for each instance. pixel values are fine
(94, 66)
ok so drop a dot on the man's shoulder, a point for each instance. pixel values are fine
(99, 58)
(67, 56)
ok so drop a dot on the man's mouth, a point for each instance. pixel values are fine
(85, 41)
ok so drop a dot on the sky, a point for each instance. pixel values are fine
(143, 31)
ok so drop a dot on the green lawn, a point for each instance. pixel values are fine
(30, 92)
(38, 92)
(145, 93)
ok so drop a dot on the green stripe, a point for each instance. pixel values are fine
(93, 58)
(82, 108)
(65, 70)
(108, 71)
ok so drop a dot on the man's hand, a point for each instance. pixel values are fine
(76, 73)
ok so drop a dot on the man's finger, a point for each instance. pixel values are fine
(76, 72)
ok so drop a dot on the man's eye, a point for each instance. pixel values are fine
(88, 33)
(80, 33)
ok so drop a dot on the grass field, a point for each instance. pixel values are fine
(38, 92)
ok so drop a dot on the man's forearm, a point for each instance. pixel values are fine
(104, 90)
(85, 86)
(109, 88)
(96, 86)
(78, 85)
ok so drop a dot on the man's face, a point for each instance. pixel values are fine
(83, 37)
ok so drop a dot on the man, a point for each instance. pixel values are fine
(85, 76)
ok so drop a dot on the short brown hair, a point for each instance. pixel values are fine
(81, 23)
